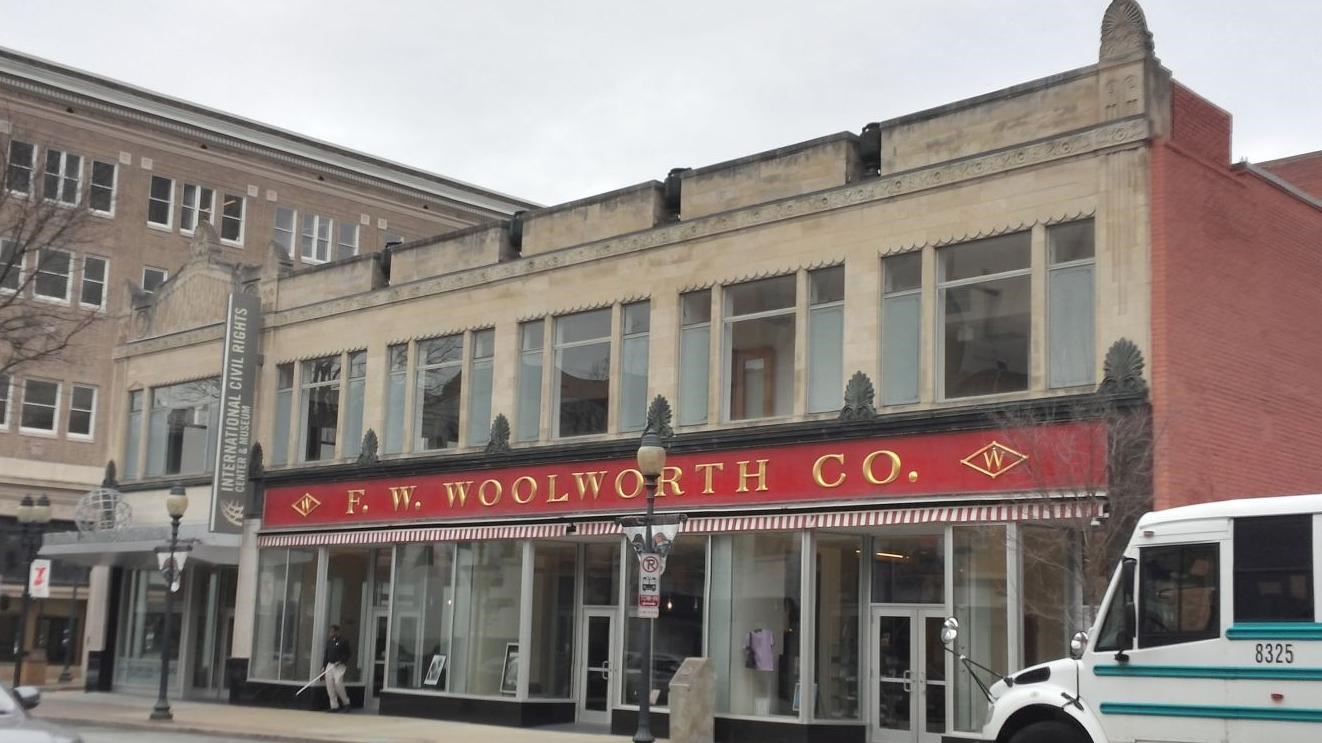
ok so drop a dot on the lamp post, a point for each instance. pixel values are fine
(651, 463)
(33, 516)
(175, 503)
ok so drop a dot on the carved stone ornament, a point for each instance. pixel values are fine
(368, 453)
(1122, 371)
(109, 480)
(658, 418)
(499, 443)
(859, 396)
(256, 467)
(1125, 32)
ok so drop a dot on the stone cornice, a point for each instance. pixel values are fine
(1121, 133)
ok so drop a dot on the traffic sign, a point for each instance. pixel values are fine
(650, 568)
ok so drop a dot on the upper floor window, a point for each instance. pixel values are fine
(582, 372)
(93, 293)
(635, 322)
(12, 263)
(826, 339)
(759, 343)
(694, 356)
(160, 201)
(437, 393)
(182, 431)
(346, 243)
(1274, 569)
(901, 327)
(22, 158)
(82, 412)
(314, 245)
(63, 176)
(321, 408)
(101, 196)
(53, 270)
(529, 413)
(1070, 312)
(231, 218)
(6, 394)
(353, 404)
(41, 401)
(198, 205)
(985, 316)
(1178, 594)
(152, 278)
(397, 369)
(284, 229)
(284, 408)
(133, 437)
(479, 387)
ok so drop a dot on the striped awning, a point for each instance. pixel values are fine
(961, 514)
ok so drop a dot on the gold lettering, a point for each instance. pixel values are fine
(817, 470)
(707, 470)
(637, 486)
(895, 467)
(551, 496)
(482, 492)
(355, 500)
(744, 476)
(532, 493)
(402, 496)
(993, 457)
(458, 491)
(669, 477)
(589, 482)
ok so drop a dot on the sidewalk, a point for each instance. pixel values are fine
(130, 711)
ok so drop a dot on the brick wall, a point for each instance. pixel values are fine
(1303, 171)
(1237, 347)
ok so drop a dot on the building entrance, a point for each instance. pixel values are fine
(908, 674)
(597, 668)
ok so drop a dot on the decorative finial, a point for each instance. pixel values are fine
(1125, 33)
(256, 465)
(859, 395)
(499, 442)
(109, 480)
(368, 453)
(658, 418)
(1122, 370)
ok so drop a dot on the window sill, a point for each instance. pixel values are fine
(80, 438)
(161, 227)
(39, 432)
(49, 300)
(232, 243)
(104, 215)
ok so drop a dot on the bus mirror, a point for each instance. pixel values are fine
(1078, 644)
(1127, 569)
(950, 631)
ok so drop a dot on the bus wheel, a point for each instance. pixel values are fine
(1048, 731)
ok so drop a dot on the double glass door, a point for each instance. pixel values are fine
(908, 676)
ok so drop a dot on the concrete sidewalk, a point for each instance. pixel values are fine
(131, 711)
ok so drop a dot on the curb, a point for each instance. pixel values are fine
(168, 727)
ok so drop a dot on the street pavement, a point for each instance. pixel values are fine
(211, 722)
(111, 735)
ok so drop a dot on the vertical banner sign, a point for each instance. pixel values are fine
(39, 579)
(650, 568)
(229, 489)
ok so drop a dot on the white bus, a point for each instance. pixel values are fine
(1209, 632)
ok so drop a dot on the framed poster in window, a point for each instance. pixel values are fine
(434, 670)
(509, 677)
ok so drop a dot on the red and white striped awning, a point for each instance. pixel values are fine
(961, 514)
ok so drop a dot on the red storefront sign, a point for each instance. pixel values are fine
(1060, 457)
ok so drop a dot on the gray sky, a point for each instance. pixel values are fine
(554, 101)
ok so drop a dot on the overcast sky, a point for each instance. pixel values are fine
(553, 100)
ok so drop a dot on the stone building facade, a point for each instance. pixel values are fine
(893, 369)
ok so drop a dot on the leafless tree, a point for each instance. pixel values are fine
(1068, 559)
(45, 223)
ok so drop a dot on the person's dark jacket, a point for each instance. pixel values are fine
(338, 650)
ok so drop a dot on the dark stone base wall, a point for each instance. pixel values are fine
(730, 730)
(267, 694)
(482, 711)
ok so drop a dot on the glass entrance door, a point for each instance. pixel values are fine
(598, 663)
(908, 676)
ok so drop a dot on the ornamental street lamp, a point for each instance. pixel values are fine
(176, 503)
(33, 516)
(651, 463)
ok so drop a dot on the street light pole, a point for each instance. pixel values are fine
(651, 463)
(175, 503)
(32, 519)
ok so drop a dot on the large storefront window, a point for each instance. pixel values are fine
(486, 622)
(437, 394)
(142, 629)
(759, 341)
(986, 313)
(423, 614)
(677, 633)
(1049, 598)
(755, 605)
(582, 372)
(321, 408)
(909, 569)
(551, 659)
(980, 606)
(282, 629)
(839, 562)
(181, 436)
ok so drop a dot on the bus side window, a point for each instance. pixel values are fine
(1178, 594)
(1274, 569)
